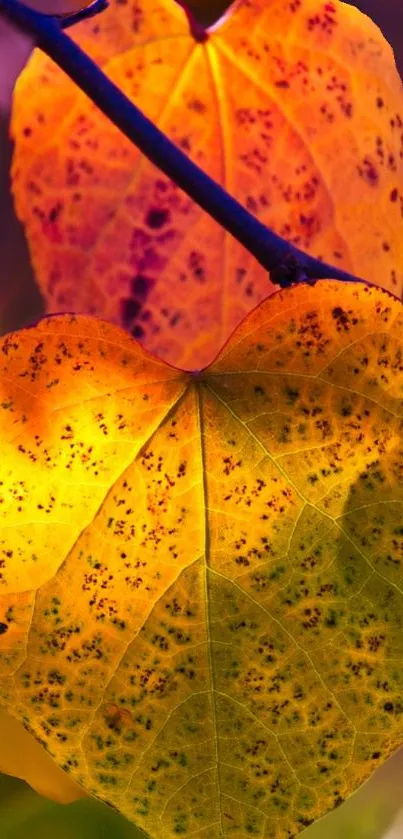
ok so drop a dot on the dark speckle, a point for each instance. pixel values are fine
(196, 266)
(55, 212)
(156, 218)
(342, 319)
(141, 284)
(292, 395)
(3, 628)
(368, 172)
(197, 106)
(130, 309)
(137, 331)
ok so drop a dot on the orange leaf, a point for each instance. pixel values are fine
(200, 575)
(297, 108)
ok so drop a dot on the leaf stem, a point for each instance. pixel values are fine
(286, 263)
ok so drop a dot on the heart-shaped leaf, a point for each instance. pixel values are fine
(200, 574)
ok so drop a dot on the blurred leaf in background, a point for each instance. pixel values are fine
(24, 813)
(21, 302)
(306, 165)
(22, 756)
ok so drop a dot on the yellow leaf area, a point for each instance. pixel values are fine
(200, 590)
(296, 107)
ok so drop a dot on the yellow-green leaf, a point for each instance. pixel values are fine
(200, 574)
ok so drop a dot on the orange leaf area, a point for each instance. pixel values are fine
(200, 575)
(296, 107)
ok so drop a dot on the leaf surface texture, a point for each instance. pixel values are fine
(201, 575)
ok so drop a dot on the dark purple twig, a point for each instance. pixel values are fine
(82, 14)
